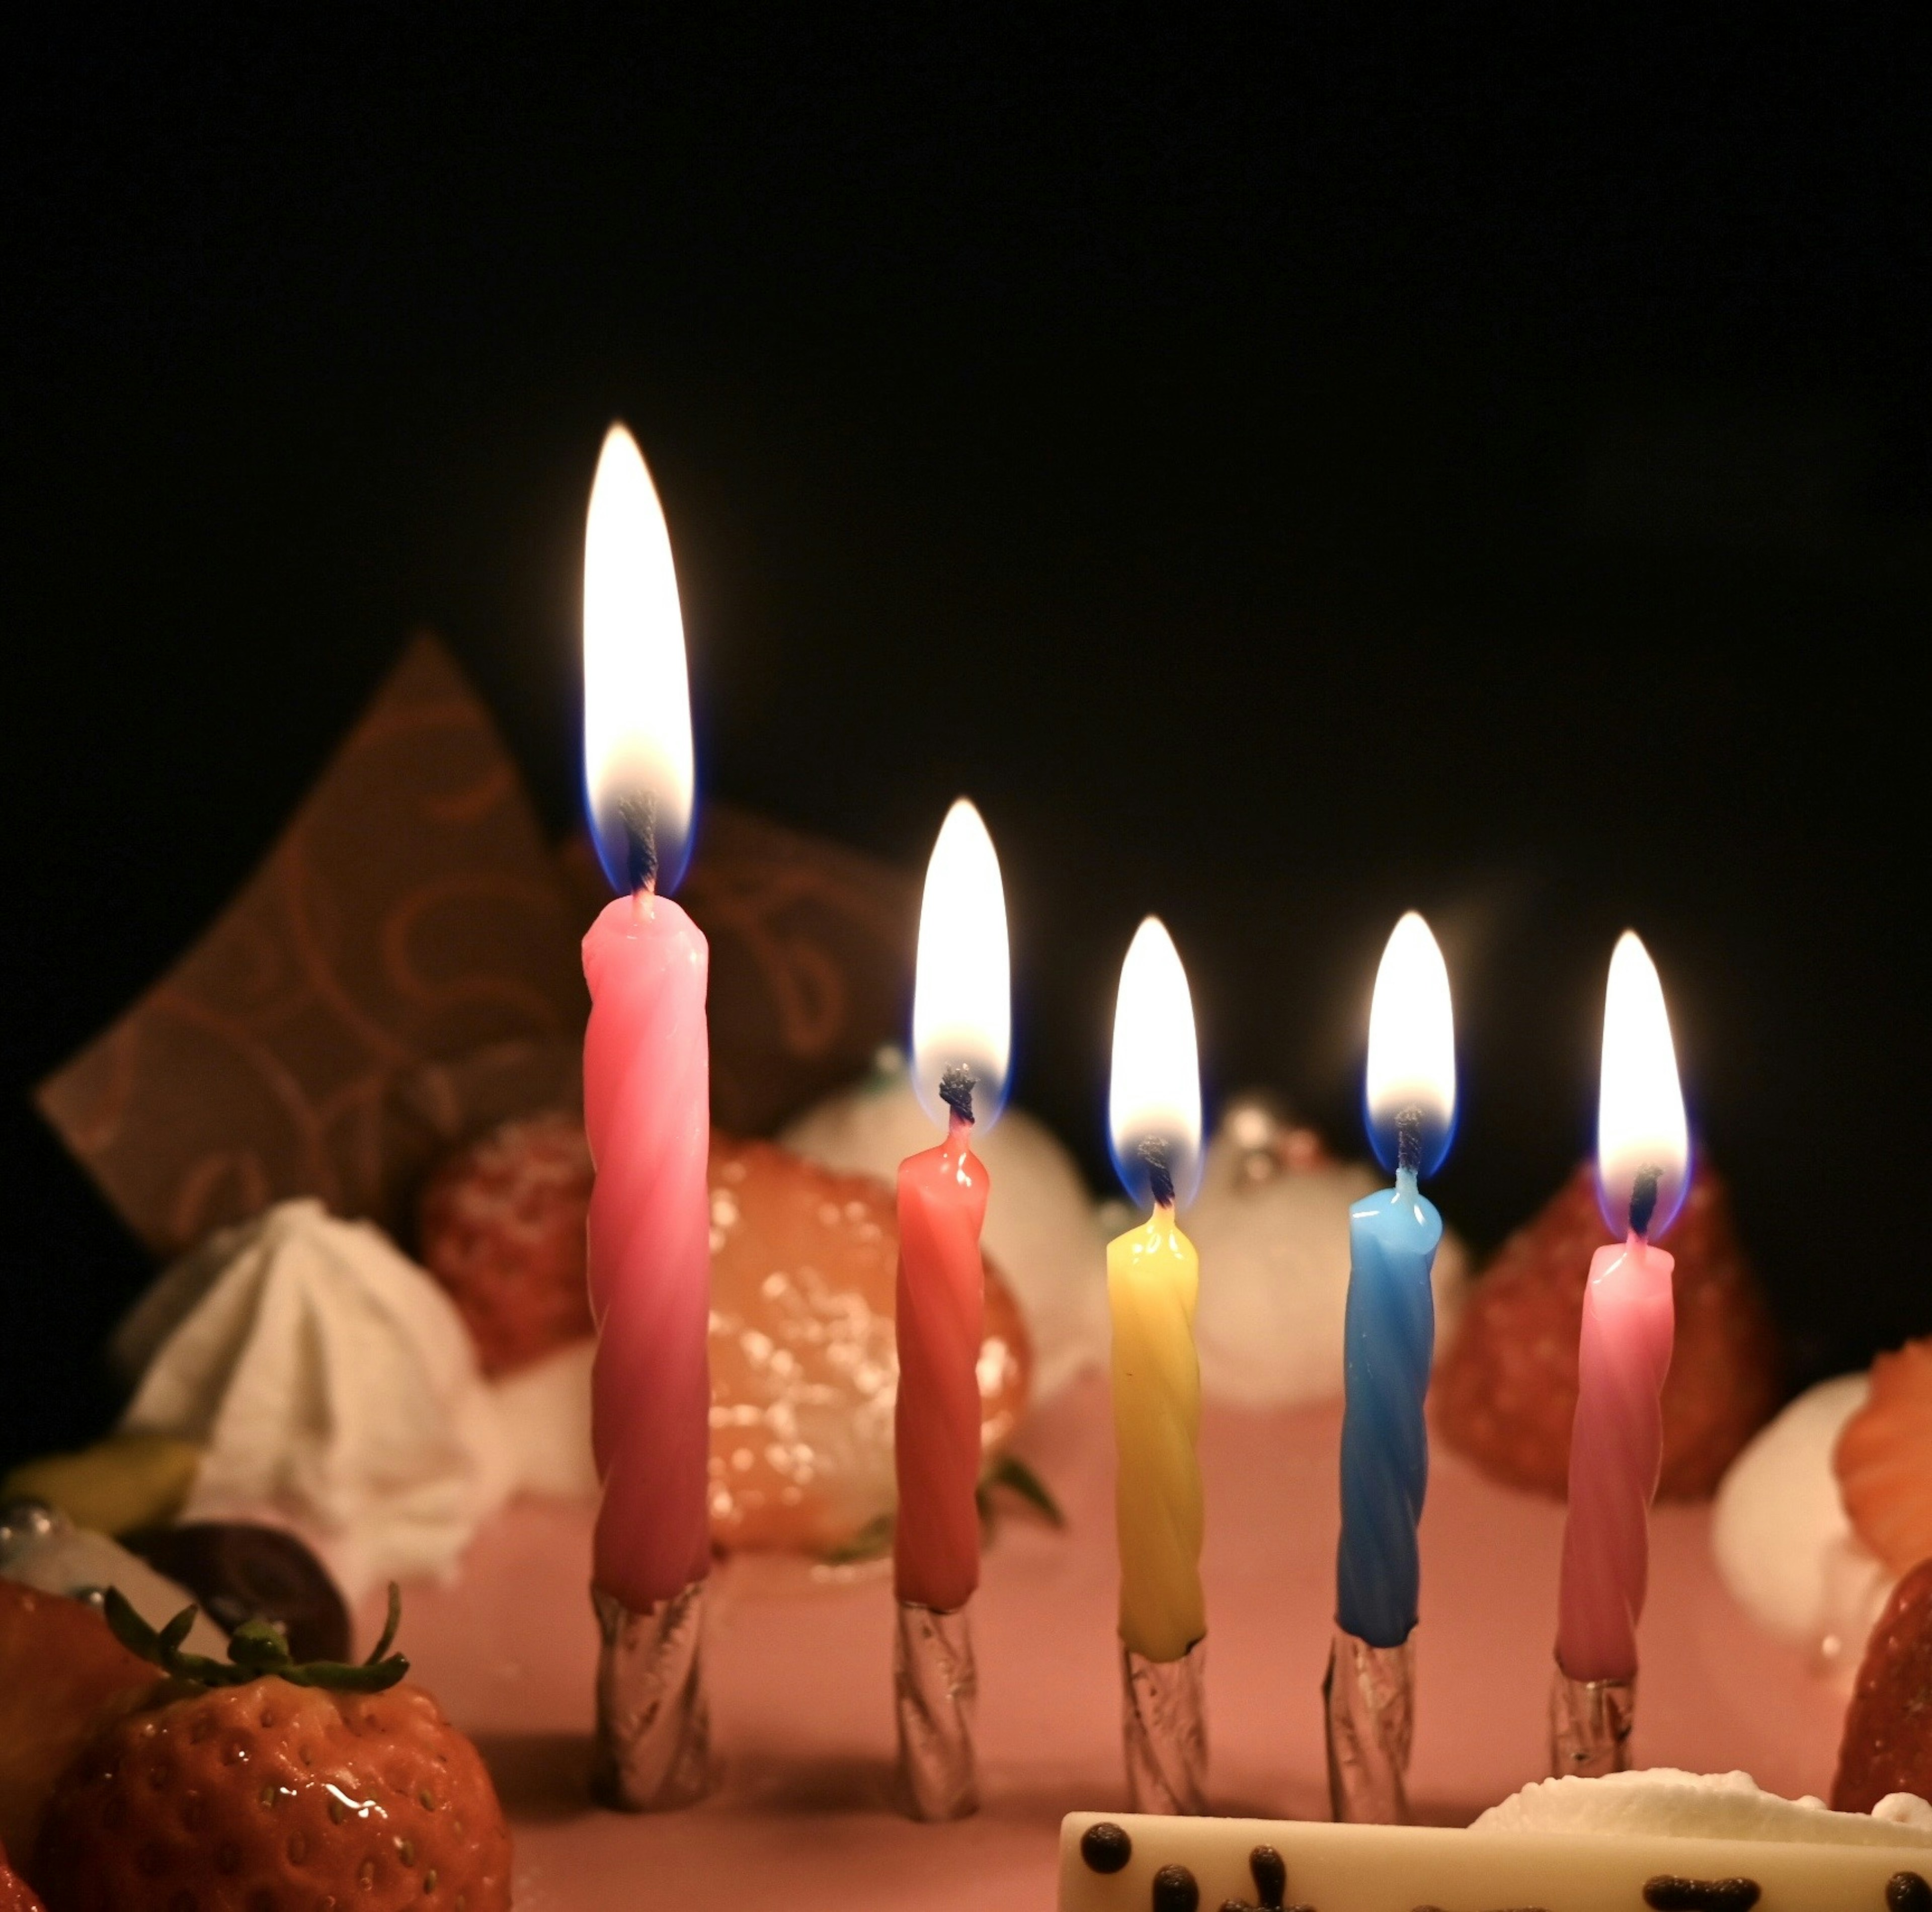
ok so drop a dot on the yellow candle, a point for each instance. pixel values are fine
(1153, 1276)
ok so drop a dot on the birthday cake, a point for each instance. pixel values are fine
(369, 1359)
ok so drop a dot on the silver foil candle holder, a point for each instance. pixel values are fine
(1369, 1700)
(653, 1720)
(1164, 1729)
(934, 1690)
(1590, 1722)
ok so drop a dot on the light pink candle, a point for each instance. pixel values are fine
(941, 1322)
(1615, 1450)
(1616, 1445)
(646, 1113)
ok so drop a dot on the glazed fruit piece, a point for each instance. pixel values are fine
(1884, 1459)
(240, 1571)
(265, 1781)
(61, 1670)
(1505, 1392)
(500, 1225)
(1888, 1742)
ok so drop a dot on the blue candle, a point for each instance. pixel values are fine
(1389, 1340)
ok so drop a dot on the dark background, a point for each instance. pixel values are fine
(1285, 477)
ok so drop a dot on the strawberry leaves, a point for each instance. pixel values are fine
(256, 1651)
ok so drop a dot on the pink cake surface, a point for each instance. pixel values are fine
(800, 1681)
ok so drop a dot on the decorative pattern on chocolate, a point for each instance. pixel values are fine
(1904, 1891)
(411, 910)
(1175, 1889)
(1666, 1893)
(1105, 1847)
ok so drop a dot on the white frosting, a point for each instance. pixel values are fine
(332, 1384)
(1783, 1545)
(546, 1413)
(1274, 1293)
(1665, 1802)
(1040, 1226)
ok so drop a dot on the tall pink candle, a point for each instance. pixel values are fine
(647, 1070)
(647, 1114)
(941, 1322)
(1616, 1445)
(1615, 1450)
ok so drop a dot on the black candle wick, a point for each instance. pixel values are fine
(1160, 1177)
(1409, 1139)
(1643, 1199)
(956, 1085)
(638, 814)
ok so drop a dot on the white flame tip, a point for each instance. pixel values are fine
(638, 747)
(1154, 1092)
(1412, 1059)
(962, 1003)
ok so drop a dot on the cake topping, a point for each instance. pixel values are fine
(1907, 1891)
(1106, 1847)
(1175, 1889)
(1668, 1893)
(1884, 1459)
(1270, 1876)
(1664, 1801)
(268, 1782)
(1886, 1747)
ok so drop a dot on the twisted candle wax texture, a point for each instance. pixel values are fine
(647, 1114)
(1389, 1340)
(940, 1321)
(1153, 1278)
(1615, 1450)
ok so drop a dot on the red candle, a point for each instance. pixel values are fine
(941, 1321)
(961, 1034)
(1617, 1445)
(646, 1099)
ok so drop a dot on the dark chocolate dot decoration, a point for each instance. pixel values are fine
(1907, 1892)
(1105, 1847)
(1270, 1877)
(1175, 1889)
(1666, 1893)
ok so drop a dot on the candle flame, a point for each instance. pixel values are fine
(638, 776)
(1643, 1144)
(1410, 1082)
(961, 999)
(1153, 1102)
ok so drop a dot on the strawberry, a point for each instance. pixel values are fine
(500, 1225)
(60, 1671)
(1888, 1742)
(271, 1785)
(1504, 1393)
(1884, 1459)
(16, 1895)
